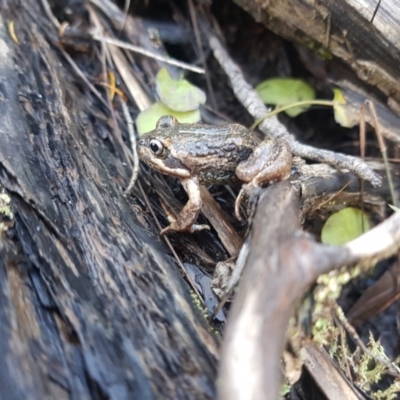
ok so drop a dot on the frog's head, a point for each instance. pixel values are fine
(154, 149)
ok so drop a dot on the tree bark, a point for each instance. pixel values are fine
(89, 305)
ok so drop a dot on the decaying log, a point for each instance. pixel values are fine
(364, 34)
(89, 306)
(351, 44)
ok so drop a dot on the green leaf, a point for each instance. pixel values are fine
(285, 91)
(178, 95)
(147, 119)
(344, 225)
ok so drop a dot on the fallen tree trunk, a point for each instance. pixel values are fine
(364, 34)
(89, 306)
(351, 44)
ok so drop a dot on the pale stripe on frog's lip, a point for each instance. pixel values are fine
(160, 166)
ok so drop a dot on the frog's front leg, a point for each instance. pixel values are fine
(270, 161)
(185, 221)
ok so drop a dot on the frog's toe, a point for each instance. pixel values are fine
(176, 227)
(252, 190)
(199, 227)
(166, 230)
(238, 202)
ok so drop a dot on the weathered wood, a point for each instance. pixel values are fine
(344, 28)
(89, 306)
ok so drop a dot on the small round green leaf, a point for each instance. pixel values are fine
(147, 119)
(178, 95)
(344, 225)
(285, 91)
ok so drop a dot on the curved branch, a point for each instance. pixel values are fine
(272, 127)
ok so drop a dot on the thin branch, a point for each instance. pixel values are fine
(147, 53)
(282, 262)
(394, 369)
(272, 127)
(132, 138)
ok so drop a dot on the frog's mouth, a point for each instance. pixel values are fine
(167, 166)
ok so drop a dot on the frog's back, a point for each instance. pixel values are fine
(213, 152)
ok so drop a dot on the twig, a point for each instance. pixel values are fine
(331, 381)
(74, 66)
(147, 53)
(134, 87)
(72, 63)
(394, 369)
(252, 102)
(330, 198)
(196, 31)
(81, 75)
(106, 60)
(132, 139)
(382, 144)
(375, 11)
(125, 11)
(50, 15)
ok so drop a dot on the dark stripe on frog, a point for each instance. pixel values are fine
(219, 177)
(230, 151)
(174, 163)
(222, 172)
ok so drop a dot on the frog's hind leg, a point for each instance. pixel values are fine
(271, 161)
(185, 221)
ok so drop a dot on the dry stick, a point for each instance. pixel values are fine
(375, 11)
(147, 53)
(125, 12)
(332, 382)
(281, 264)
(394, 369)
(98, 26)
(252, 102)
(134, 87)
(345, 353)
(74, 66)
(196, 31)
(382, 148)
(132, 138)
(50, 15)
(363, 141)
(330, 198)
(106, 60)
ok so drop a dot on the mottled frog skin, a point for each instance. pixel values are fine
(204, 154)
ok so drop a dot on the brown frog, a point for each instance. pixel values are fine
(200, 154)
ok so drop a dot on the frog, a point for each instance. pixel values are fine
(199, 154)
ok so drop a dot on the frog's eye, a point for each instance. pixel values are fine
(156, 147)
